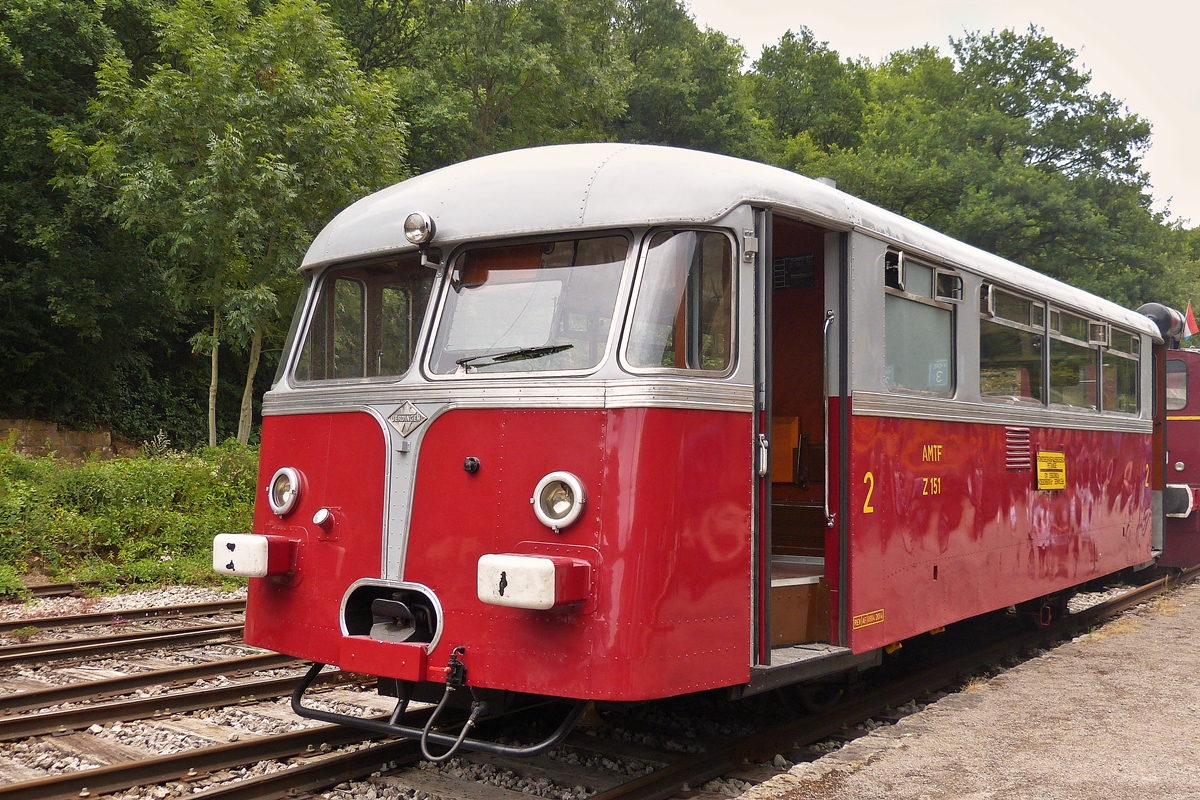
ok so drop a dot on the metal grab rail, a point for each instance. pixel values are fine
(825, 406)
(447, 740)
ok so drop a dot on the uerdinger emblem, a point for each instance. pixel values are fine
(407, 418)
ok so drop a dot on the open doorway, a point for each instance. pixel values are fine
(800, 596)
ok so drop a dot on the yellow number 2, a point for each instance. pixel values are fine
(869, 479)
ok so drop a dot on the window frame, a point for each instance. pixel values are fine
(1186, 376)
(734, 306)
(989, 314)
(1097, 353)
(440, 291)
(934, 301)
(317, 286)
(1136, 358)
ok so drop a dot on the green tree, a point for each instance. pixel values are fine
(803, 88)
(1004, 146)
(230, 159)
(82, 310)
(381, 34)
(686, 88)
(492, 75)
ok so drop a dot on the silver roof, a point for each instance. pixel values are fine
(593, 186)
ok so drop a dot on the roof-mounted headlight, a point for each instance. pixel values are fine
(419, 227)
(283, 492)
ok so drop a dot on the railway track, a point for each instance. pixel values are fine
(641, 757)
(60, 589)
(111, 617)
(85, 647)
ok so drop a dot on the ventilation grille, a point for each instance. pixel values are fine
(1017, 451)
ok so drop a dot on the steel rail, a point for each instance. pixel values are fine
(332, 770)
(163, 705)
(109, 687)
(318, 775)
(42, 652)
(181, 766)
(668, 781)
(108, 617)
(58, 589)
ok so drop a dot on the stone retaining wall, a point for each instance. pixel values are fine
(35, 438)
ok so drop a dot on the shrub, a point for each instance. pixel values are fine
(145, 519)
(11, 587)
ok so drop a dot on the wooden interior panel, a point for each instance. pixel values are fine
(797, 318)
(798, 529)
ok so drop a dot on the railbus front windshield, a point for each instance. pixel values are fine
(540, 307)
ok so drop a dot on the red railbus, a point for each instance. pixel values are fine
(617, 422)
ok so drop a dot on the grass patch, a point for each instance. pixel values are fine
(146, 520)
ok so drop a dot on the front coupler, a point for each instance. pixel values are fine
(427, 734)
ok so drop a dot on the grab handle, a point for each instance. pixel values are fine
(825, 406)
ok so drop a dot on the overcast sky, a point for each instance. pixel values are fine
(1146, 53)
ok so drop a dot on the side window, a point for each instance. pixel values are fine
(1177, 379)
(1012, 339)
(1074, 363)
(918, 329)
(1120, 371)
(683, 317)
(365, 321)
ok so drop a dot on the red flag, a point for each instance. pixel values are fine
(1190, 328)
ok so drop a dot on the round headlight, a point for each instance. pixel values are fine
(283, 492)
(419, 227)
(558, 500)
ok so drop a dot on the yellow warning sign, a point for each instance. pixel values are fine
(1051, 470)
(870, 618)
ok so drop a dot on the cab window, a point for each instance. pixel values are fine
(365, 321)
(1177, 379)
(683, 318)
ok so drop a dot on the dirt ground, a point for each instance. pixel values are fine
(1113, 714)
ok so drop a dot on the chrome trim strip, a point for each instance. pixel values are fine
(387, 474)
(395, 544)
(412, 587)
(688, 393)
(875, 404)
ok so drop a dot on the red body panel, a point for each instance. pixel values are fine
(1181, 540)
(341, 459)
(666, 535)
(993, 538)
(665, 530)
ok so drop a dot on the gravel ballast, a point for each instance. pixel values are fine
(1112, 714)
(49, 607)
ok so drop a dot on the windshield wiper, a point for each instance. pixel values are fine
(521, 354)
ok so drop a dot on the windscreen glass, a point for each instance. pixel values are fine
(366, 321)
(684, 313)
(537, 307)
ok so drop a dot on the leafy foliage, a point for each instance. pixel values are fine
(804, 89)
(149, 519)
(82, 303)
(163, 165)
(685, 87)
(494, 75)
(1003, 146)
(228, 159)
